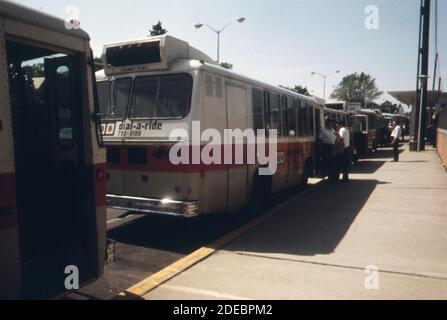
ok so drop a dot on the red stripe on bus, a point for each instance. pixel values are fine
(295, 155)
(8, 212)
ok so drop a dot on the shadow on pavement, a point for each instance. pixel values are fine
(313, 224)
(367, 166)
(318, 220)
(371, 163)
(176, 235)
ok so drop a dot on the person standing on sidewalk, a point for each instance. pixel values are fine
(328, 137)
(344, 134)
(396, 135)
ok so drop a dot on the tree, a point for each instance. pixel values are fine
(357, 87)
(35, 70)
(226, 65)
(158, 30)
(389, 107)
(298, 89)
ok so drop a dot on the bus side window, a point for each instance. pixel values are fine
(258, 110)
(304, 120)
(292, 117)
(285, 121)
(275, 113)
(298, 118)
(311, 113)
(266, 110)
(64, 102)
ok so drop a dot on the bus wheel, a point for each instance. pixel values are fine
(260, 193)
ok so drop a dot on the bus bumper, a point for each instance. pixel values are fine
(186, 209)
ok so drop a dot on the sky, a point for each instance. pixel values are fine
(282, 41)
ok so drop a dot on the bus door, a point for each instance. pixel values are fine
(360, 127)
(372, 131)
(53, 195)
(237, 119)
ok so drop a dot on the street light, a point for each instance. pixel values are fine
(324, 81)
(219, 31)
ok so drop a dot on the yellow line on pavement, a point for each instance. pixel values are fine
(144, 287)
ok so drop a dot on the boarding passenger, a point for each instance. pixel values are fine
(338, 151)
(390, 130)
(328, 137)
(345, 159)
(396, 135)
(431, 133)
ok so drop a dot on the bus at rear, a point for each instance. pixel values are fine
(140, 107)
(158, 93)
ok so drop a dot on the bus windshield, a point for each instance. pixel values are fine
(114, 106)
(166, 96)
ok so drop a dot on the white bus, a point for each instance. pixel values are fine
(155, 85)
(350, 107)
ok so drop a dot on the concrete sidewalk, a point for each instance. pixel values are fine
(392, 216)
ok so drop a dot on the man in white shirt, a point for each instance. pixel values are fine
(344, 134)
(396, 135)
(346, 159)
(328, 137)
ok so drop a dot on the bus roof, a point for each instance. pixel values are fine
(177, 55)
(368, 111)
(327, 109)
(183, 65)
(236, 76)
(394, 115)
(335, 102)
(28, 15)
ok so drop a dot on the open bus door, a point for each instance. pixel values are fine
(56, 218)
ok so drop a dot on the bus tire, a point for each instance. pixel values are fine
(260, 193)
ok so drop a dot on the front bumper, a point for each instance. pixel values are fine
(158, 206)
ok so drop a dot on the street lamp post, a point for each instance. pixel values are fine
(324, 81)
(219, 31)
(422, 113)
